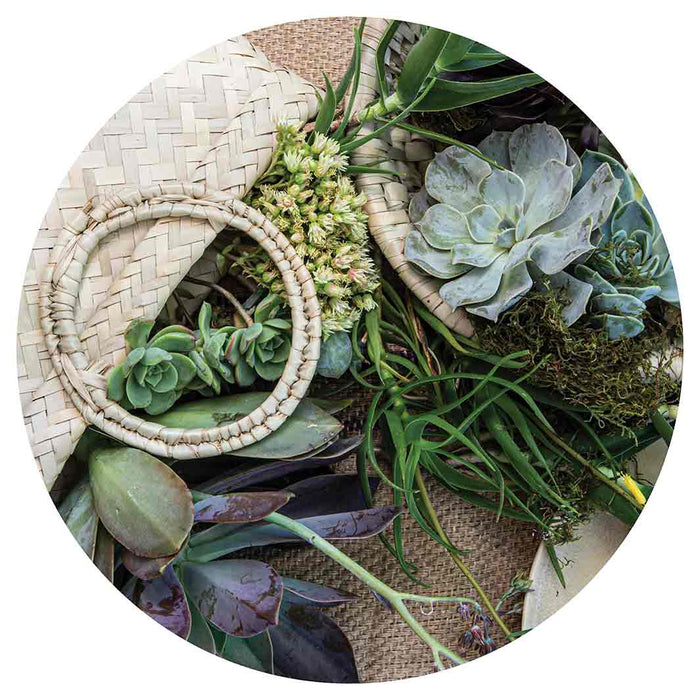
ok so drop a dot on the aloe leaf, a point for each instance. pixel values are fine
(306, 429)
(79, 514)
(103, 558)
(419, 63)
(253, 652)
(450, 94)
(240, 507)
(308, 645)
(200, 632)
(240, 597)
(307, 593)
(136, 333)
(144, 505)
(454, 50)
(326, 112)
(162, 599)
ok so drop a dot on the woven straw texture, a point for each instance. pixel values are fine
(86, 383)
(384, 648)
(210, 120)
(389, 196)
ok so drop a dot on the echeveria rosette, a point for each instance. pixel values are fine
(156, 371)
(631, 263)
(493, 232)
(262, 348)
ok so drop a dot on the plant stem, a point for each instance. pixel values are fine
(395, 598)
(224, 293)
(432, 516)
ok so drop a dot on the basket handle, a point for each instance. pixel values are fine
(87, 385)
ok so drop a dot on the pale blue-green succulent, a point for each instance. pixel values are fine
(495, 231)
(631, 263)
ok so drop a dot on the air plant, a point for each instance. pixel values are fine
(490, 222)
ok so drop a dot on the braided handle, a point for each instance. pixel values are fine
(87, 385)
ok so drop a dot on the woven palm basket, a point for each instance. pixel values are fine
(208, 125)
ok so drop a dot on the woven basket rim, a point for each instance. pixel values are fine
(86, 383)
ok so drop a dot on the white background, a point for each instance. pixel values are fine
(67, 66)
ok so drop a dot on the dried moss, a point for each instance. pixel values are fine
(615, 380)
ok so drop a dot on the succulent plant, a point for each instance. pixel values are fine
(631, 263)
(156, 371)
(491, 221)
(305, 195)
(262, 348)
(240, 609)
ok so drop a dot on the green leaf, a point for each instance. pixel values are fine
(308, 428)
(455, 49)
(200, 632)
(174, 342)
(136, 333)
(154, 356)
(204, 320)
(253, 652)
(336, 355)
(116, 383)
(139, 395)
(419, 64)
(162, 402)
(356, 65)
(450, 94)
(144, 505)
(326, 113)
(185, 368)
(78, 513)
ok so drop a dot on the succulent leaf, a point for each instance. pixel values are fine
(336, 355)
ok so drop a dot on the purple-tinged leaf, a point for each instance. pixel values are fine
(308, 593)
(146, 568)
(240, 597)
(308, 645)
(200, 632)
(240, 507)
(252, 652)
(324, 494)
(357, 524)
(103, 557)
(79, 514)
(162, 599)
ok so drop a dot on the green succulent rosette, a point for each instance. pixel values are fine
(631, 264)
(261, 349)
(494, 222)
(156, 371)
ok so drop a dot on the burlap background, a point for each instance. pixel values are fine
(384, 647)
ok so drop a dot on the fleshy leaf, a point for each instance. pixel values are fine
(618, 304)
(162, 599)
(495, 147)
(419, 204)
(554, 251)
(619, 326)
(632, 216)
(454, 176)
(437, 263)
(116, 383)
(137, 332)
(79, 514)
(515, 283)
(443, 227)
(505, 192)
(103, 557)
(475, 254)
(240, 507)
(308, 428)
(308, 645)
(252, 652)
(142, 502)
(308, 593)
(484, 225)
(550, 196)
(476, 286)
(200, 632)
(578, 294)
(145, 567)
(592, 160)
(336, 355)
(240, 597)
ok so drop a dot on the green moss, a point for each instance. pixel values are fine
(615, 380)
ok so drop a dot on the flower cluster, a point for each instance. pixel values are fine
(305, 195)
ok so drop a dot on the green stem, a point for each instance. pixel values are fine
(663, 427)
(395, 598)
(432, 516)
